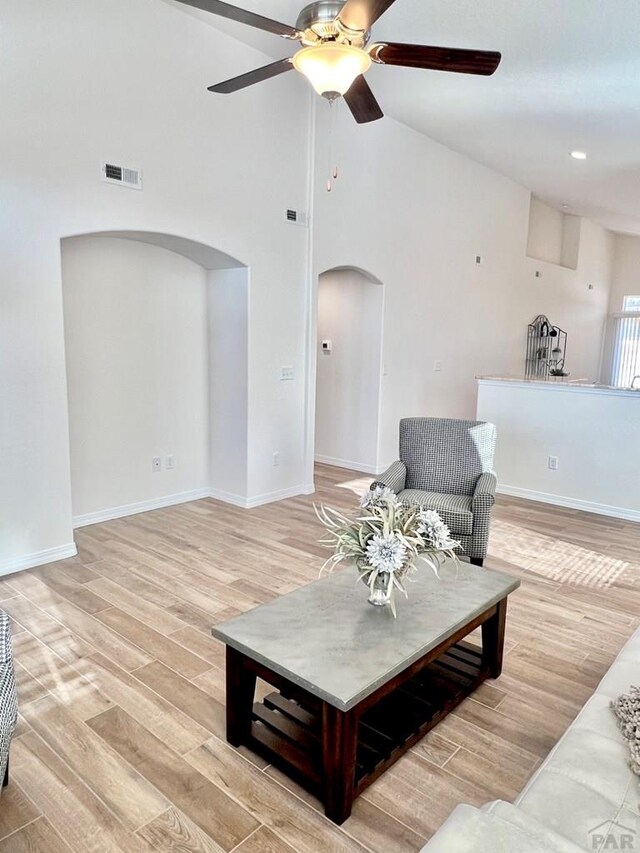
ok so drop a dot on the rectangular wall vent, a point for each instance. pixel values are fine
(296, 217)
(126, 176)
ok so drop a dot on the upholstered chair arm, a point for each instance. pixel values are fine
(484, 495)
(8, 698)
(6, 655)
(394, 477)
(485, 490)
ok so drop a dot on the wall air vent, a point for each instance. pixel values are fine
(126, 176)
(295, 217)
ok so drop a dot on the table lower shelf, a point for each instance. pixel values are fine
(286, 728)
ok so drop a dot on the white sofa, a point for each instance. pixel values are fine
(583, 797)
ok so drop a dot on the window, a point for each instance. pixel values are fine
(626, 354)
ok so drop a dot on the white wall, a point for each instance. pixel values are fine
(593, 432)
(80, 86)
(228, 295)
(348, 382)
(554, 236)
(415, 214)
(135, 319)
(546, 227)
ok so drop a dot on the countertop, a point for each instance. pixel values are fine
(561, 383)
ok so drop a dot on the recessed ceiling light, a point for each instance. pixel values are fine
(578, 155)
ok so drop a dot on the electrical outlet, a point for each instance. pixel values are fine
(276, 459)
(156, 464)
(553, 463)
(437, 366)
(170, 462)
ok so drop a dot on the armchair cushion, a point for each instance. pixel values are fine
(444, 455)
(454, 510)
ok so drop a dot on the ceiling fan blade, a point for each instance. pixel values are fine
(226, 10)
(437, 58)
(252, 77)
(362, 102)
(362, 14)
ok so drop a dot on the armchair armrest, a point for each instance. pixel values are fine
(6, 655)
(393, 478)
(484, 495)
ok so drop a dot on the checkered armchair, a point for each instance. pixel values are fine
(8, 698)
(446, 465)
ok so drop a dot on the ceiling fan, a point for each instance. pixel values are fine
(337, 51)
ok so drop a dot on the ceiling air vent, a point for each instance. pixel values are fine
(123, 175)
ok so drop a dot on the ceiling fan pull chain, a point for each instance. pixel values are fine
(333, 167)
(330, 144)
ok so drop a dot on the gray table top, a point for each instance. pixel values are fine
(326, 638)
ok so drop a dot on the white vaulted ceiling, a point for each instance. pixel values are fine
(569, 79)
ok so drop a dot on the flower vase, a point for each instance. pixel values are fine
(380, 593)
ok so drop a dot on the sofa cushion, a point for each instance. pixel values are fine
(622, 675)
(541, 833)
(455, 510)
(471, 830)
(576, 809)
(585, 789)
(595, 761)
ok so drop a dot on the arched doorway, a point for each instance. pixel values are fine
(349, 369)
(152, 322)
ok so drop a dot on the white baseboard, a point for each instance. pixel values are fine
(260, 500)
(185, 497)
(228, 498)
(360, 467)
(63, 552)
(141, 506)
(571, 503)
(37, 558)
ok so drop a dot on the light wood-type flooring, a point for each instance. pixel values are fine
(121, 744)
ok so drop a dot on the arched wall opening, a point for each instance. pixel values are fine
(349, 368)
(156, 342)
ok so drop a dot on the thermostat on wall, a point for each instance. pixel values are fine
(327, 347)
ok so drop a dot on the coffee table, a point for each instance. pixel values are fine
(357, 688)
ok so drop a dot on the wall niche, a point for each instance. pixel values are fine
(553, 236)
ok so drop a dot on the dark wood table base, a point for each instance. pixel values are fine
(336, 754)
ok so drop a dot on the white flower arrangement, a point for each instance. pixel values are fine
(386, 541)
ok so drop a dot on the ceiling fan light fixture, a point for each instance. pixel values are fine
(332, 67)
